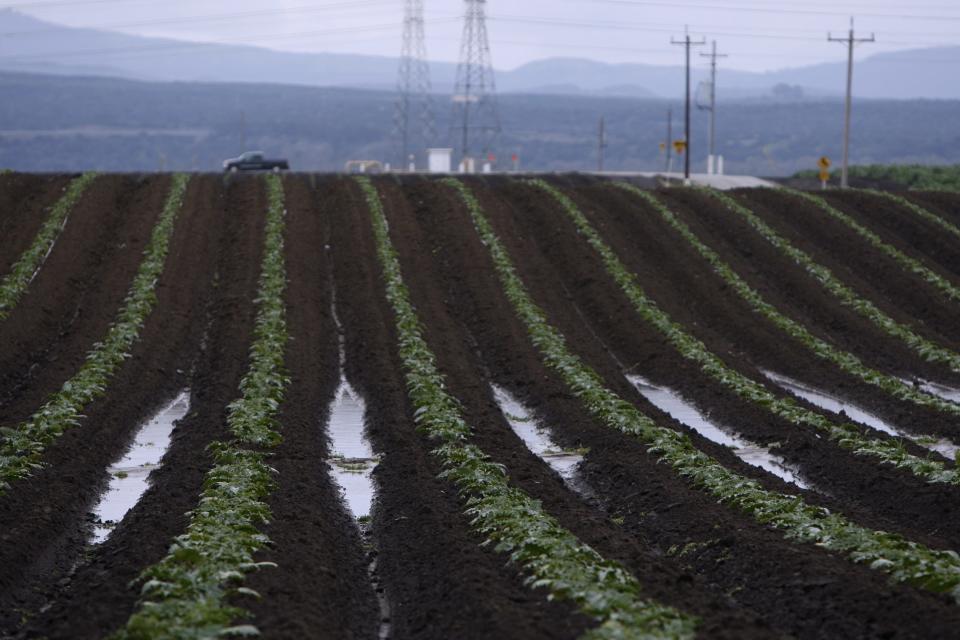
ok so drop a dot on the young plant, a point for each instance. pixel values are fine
(515, 523)
(904, 560)
(846, 435)
(22, 446)
(908, 263)
(15, 283)
(184, 595)
(916, 209)
(928, 350)
(846, 361)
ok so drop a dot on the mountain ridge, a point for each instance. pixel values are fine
(61, 50)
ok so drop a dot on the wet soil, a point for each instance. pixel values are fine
(425, 230)
(78, 290)
(903, 296)
(900, 227)
(668, 266)
(440, 582)
(736, 557)
(743, 580)
(25, 201)
(321, 588)
(208, 305)
(639, 349)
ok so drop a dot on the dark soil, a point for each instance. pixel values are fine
(903, 296)
(738, 559)
(77, 292)
(900, 227)
(743, 580)
(25, 201)
(421, 224)
(618, 328)
(942, 203)
(440, 582)
(321, 589)
(216, 265)
(668, 265)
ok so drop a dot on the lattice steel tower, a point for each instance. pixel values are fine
(475, 119)
(414, 128)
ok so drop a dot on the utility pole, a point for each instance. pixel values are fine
(669, 141)
(601, 143)
(687, 43)
(851, 41)
(413, 90)
(712, 157)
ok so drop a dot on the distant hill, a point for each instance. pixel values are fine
(61, 123)
(35, 46)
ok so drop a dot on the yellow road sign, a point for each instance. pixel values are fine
(679, 146)
(824, 163)
(824, 175)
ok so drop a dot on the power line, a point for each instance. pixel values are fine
(180, 45)
(766, 9)
(851, 41)
(215, 17)
(713, 55)
(687, 43)
(413, 88)
(474, 94)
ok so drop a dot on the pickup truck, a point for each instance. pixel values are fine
(254, 161)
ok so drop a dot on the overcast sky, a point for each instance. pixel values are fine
(758, 34)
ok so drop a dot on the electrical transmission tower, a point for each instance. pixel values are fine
(475, 116)
(413, 120)
(851, 41)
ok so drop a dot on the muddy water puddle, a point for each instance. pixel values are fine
(129, 478)
(352, 460)
(753, 454)
(537, 439)
(352, 463)
(835, 404)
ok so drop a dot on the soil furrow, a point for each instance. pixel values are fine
(25, 200)
(99, 597)
(609, 315)
(687, 288)
(899, 226)
(77, 292)
(440, 581)
(899, 293)
(945, 204)
(730, 552)
(443, 302)
(321, 588)
(46, 515)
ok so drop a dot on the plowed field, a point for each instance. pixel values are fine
(442, 555)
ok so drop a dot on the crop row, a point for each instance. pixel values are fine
(912, 265)
(846, 435)
(916, 209)
(185, 594)
(23, 445)
(904, 560)
(516, 523)
(927, 349)
(847, 362)
(15, 283)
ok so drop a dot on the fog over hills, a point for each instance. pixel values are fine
(32, 45)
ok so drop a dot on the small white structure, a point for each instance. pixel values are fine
(468, 165)
(439, 160)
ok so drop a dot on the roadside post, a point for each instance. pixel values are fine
(824, 164)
